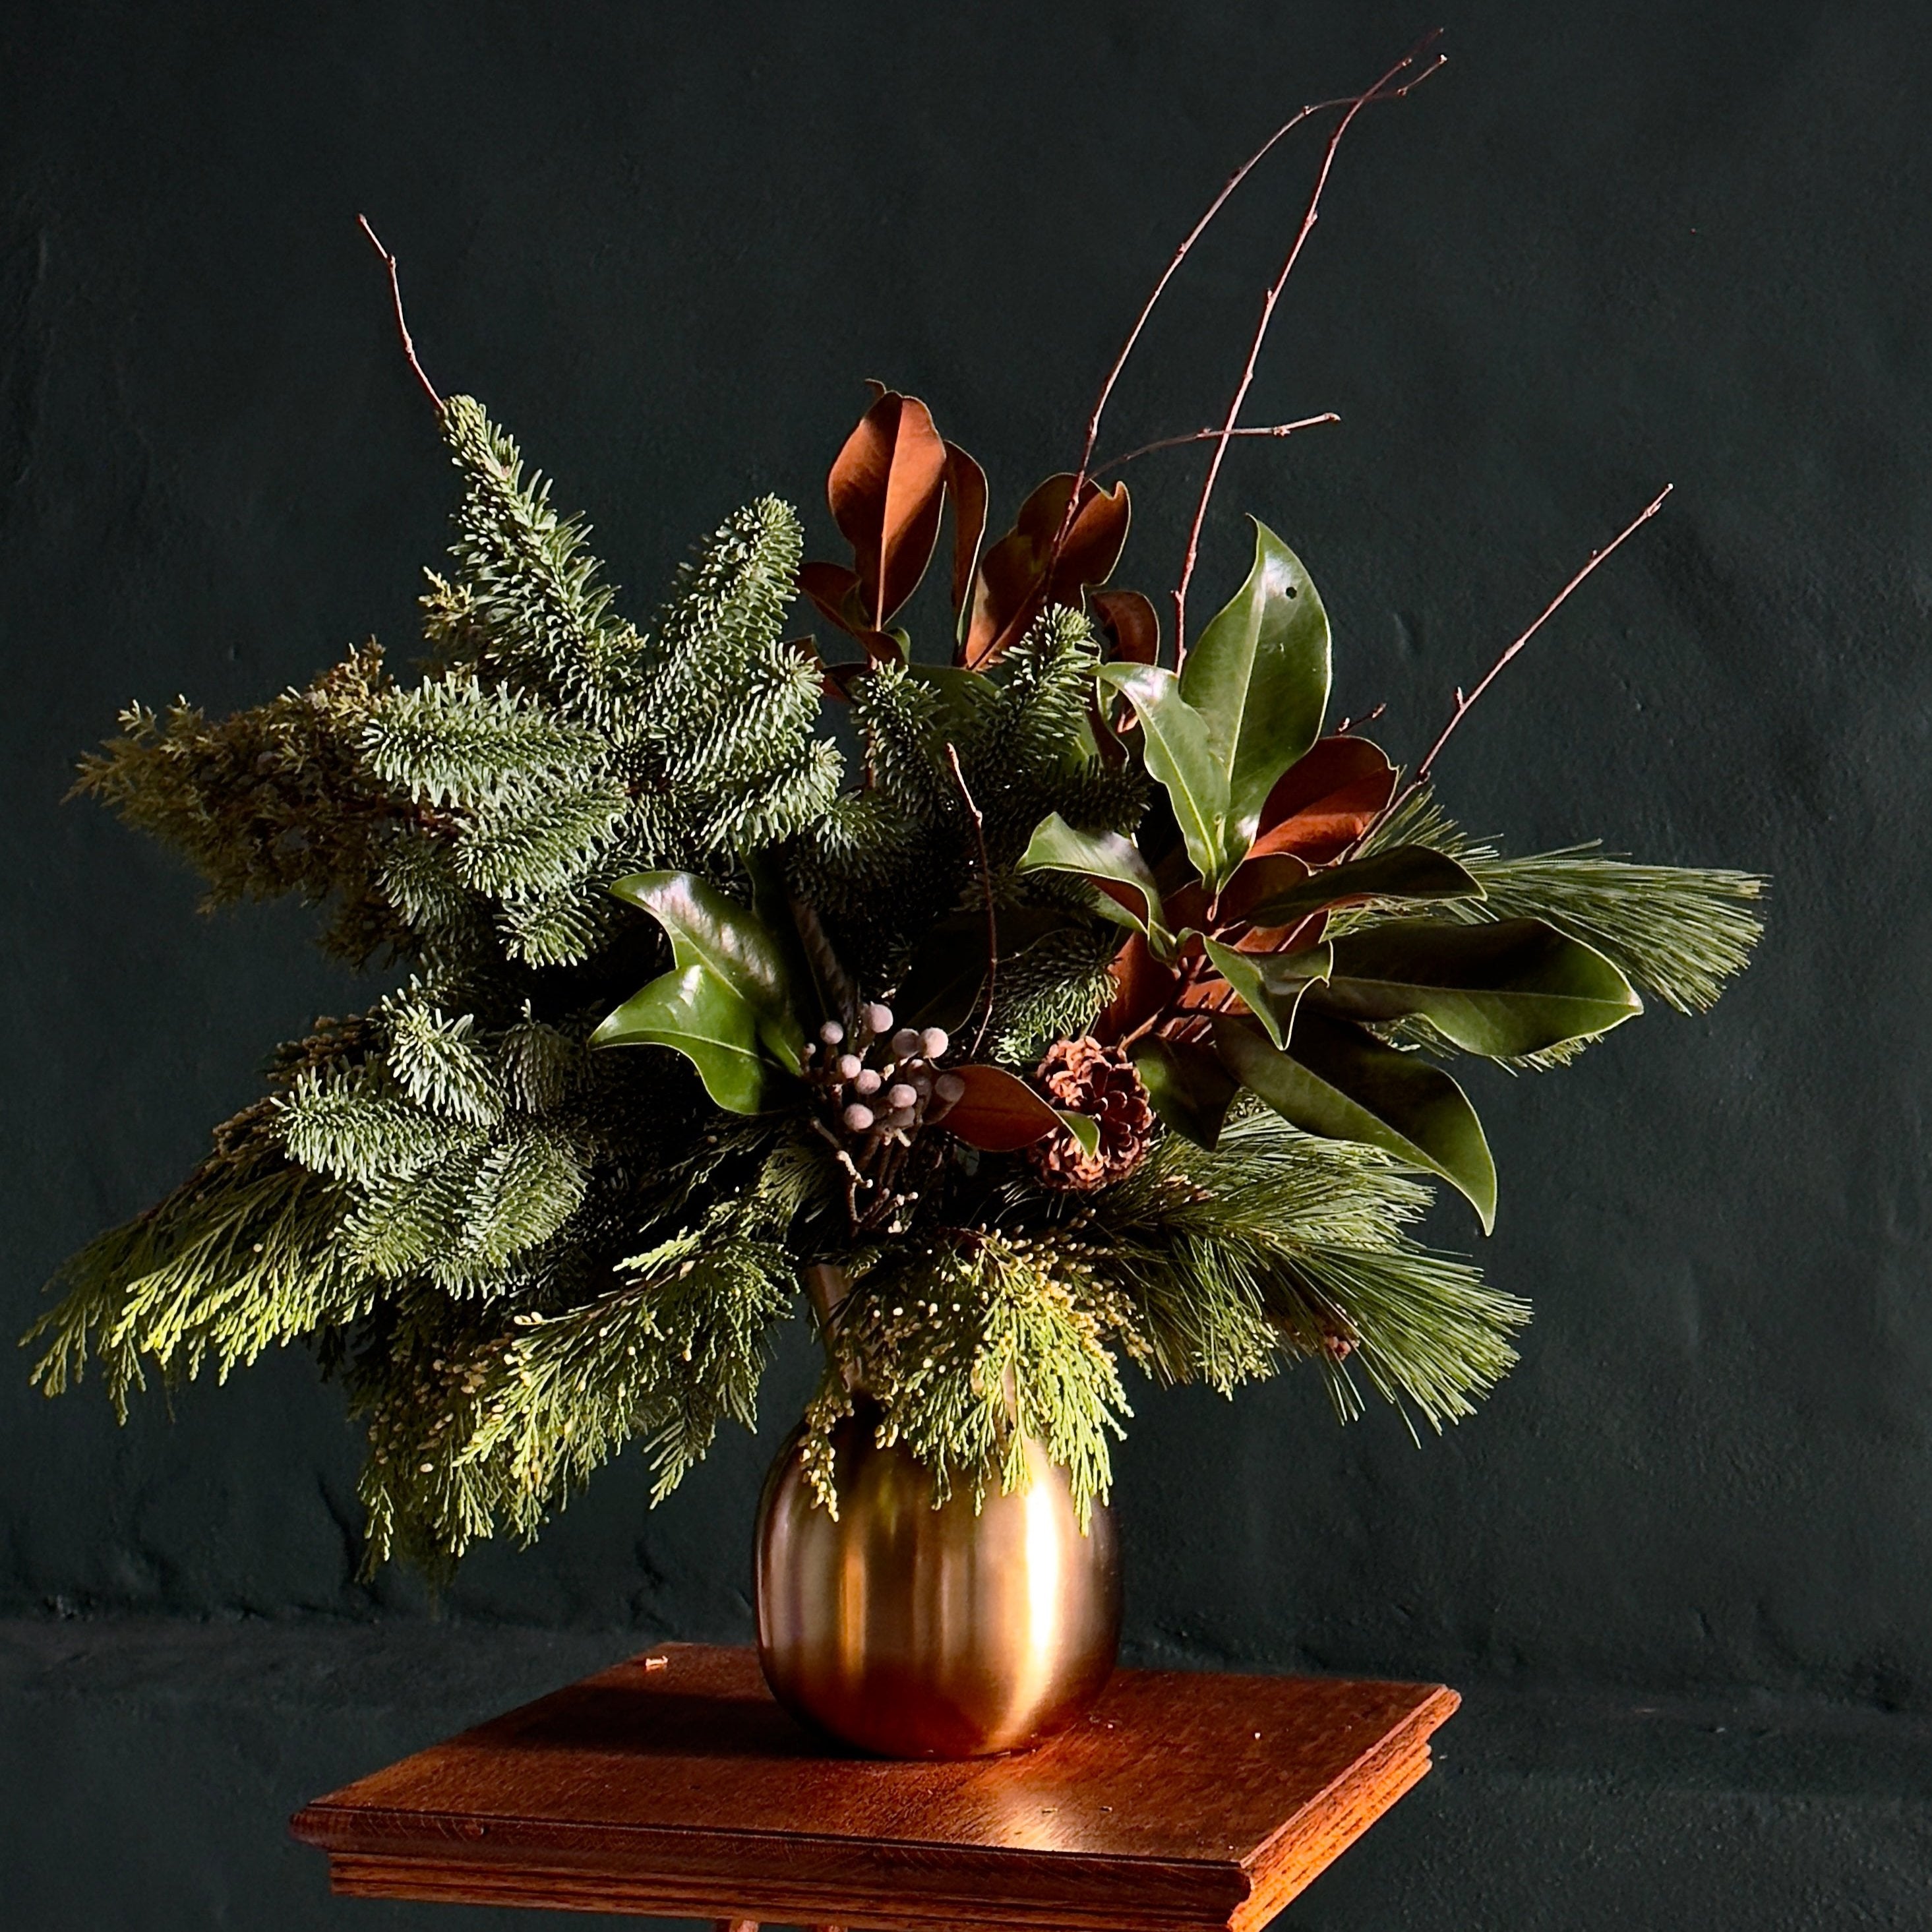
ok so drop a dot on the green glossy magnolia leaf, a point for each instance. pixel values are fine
(1515, 987)
(1271, 984)
(1187, 1087)
(1181, 758)
(708, 929)
(1083, 1127)
(1337, 1081)
(1259, 676)
(1109, 860)
(695, 1013)
(1403, 872)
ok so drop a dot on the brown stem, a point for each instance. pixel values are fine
(986, 884)
(1201, 436)
(1463, 704)
(396, 296)
(1381, 90)
(1167, 275)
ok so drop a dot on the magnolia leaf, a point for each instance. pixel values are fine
(1115, 864)
(1325, 801)
(1341, 1082)
(1142, 985)
(885, 491)
(835, 590)
(1259, 675)
(1020, 575)
(708, 929)
(1404, 872)
(1083, 1127)
(695, 1013)
(1132, 623)
(998, 1113)
(1186, 1086)
(1515, 987)
(966, 485)
(1271, 984)
(1181, 758)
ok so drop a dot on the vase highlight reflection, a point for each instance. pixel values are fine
(918, 1632)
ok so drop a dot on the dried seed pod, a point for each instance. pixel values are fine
(905, 1043)
(901, 1098)
(934, 1041)
(857, 1118)
(850, 1066)
(831, 1032)
(948, 1088)
(867, 1080)
(877, 1018)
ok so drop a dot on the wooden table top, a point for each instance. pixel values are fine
(673, 1786)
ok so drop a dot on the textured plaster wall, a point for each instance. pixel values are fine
(1614, 245)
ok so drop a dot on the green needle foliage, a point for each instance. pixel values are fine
(518, 1255)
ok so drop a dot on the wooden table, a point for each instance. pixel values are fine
(673, 1786)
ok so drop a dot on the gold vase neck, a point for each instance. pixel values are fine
(826, 1286)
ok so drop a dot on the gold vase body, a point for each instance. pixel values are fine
(914, 1631)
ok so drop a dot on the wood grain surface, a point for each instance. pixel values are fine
(673, 1785)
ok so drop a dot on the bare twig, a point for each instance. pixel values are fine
(396, 295)
(1462, 703)
(1201, 436)
(979, 819)
(1167, 275)
(1381, 90)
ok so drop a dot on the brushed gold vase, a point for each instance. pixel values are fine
(916, 1632)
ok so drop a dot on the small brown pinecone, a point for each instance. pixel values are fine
(1087, 1078)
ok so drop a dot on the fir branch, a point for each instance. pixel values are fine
(452, 741)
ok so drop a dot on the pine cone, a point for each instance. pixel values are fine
(1083, 1075)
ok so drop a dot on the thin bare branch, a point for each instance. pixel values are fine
(1463, 704)
(396, 296)
(1383, 90)
(1113, 464)
(979, 819)
(1167, 273)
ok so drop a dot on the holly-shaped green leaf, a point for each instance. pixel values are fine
(1339, 1081)
(1259, 677)
(708, 929)
(693, 1012)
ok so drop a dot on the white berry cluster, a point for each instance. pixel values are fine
(880, 1081)
(879, 1084)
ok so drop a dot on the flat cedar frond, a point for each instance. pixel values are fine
(243, 1255)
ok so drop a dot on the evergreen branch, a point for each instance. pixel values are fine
(450, 741)
(1679, 932)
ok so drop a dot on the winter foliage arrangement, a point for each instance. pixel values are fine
(1097, 1012)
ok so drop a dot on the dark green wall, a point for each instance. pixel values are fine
(1614, 245)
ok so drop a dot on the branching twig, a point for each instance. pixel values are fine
(396, 295)
(1381, 91)
(1201, 436)
(1463, 704)
(1167, 273)
(979, 819)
